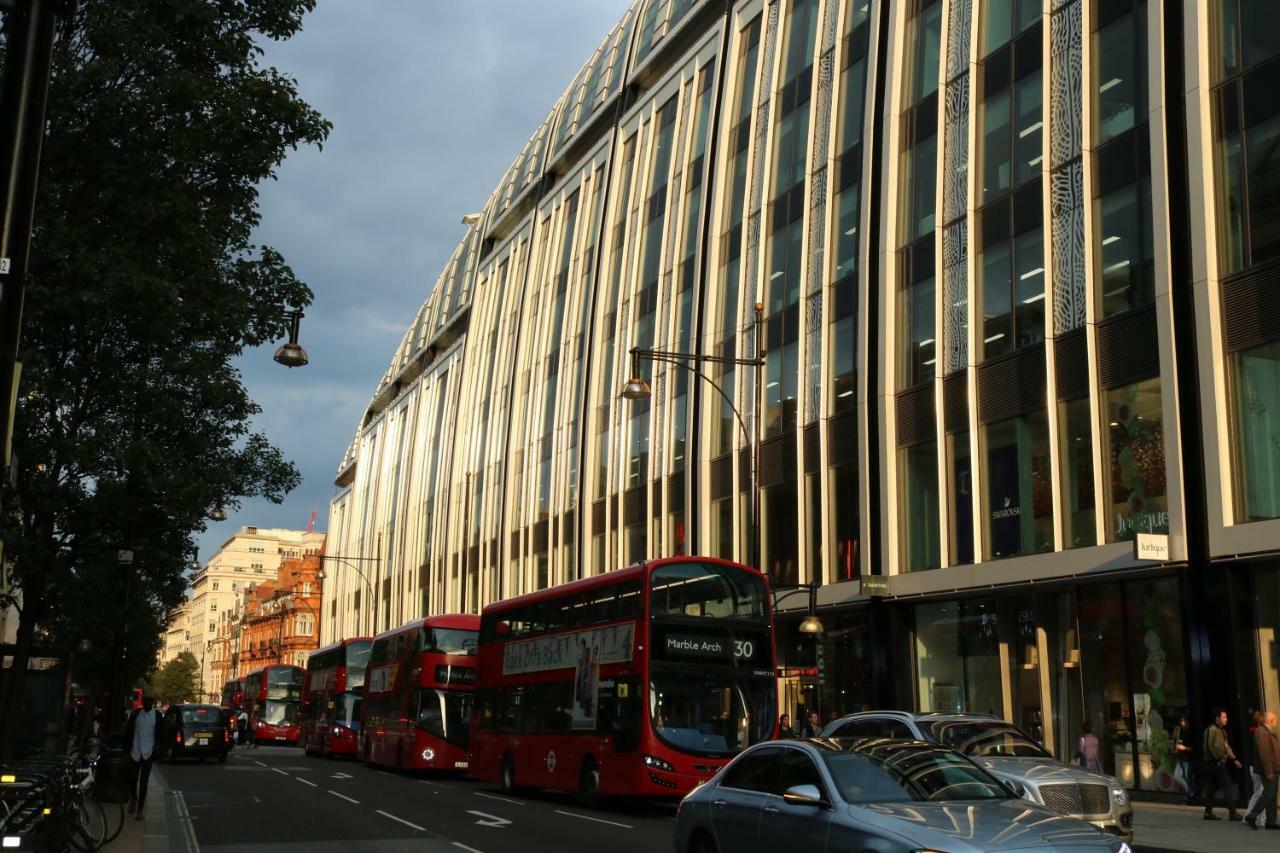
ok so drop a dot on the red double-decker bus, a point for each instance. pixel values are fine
(233, 695)
(273, 695)
(639, 682)
(417, 696)
(331, 698)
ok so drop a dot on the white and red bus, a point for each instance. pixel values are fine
(417, 694)
(273, 696)
(331, 698)
(639, 682)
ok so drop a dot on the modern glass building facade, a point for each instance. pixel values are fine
(1016, 271)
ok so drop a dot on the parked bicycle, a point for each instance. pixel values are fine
(49, 804)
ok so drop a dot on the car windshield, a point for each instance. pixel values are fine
(203, 717)
(895, 772)
(346, 710)
(279, 713)
(983, 737)
(710, 714)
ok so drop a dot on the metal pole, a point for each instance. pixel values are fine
(755, 443)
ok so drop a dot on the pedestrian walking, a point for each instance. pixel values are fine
(142, 733)
(1183, 772)
(784, 726)
(1215, 774)
(1266, 764)
(1251, 750)
(1088, 750)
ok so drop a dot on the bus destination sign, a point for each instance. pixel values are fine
(742, 648)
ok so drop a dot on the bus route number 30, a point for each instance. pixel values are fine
(743, 649)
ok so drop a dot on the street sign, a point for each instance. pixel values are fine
(875, 585)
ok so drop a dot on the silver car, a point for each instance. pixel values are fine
(1011, 756)
(881, 794)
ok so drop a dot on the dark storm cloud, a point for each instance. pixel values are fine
(431, 101)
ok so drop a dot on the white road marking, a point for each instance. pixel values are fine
(457, 844)
(499, 799)
(432, 784)
(306, 782)
(340, 776)
(595, 819)
(401, 820)
(281, 772)
(260, 763)
(490, 820)
(345, 797)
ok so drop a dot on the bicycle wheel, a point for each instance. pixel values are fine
(113, 813)
(88, 823)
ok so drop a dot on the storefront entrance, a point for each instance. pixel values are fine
(1110, 654)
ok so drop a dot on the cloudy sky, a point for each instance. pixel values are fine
(431, 101)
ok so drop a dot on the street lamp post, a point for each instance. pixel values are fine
(636, 388)
(351, 563)
(291, 353)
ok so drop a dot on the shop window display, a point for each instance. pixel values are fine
(1137, 464)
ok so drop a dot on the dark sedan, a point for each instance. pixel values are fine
(197, 731)
(875, 794)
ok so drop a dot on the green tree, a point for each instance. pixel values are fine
(145, 286)
(177, 681)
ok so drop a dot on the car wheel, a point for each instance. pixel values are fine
(702, 842)
(507, 775)
(589, 783)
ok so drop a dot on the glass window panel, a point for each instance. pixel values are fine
(1028, 286)
(960, 498)
(1079, 527)
(1137, 466)
(922, 179)
(919, 506)
(917, 311)
(997, 145)
(853, 86)
(1260, 24)
(1228, 38)
(1126, 254)
(848, 213)
(928, 36)
(996, 264)
(997, 24)
(1257, 416)
(843, 361)
(1019, 495)
(802, 32)
(780, 535)
(1028, 154)
(1262, 147)
(844, 521)
(1121, 77)
(1231, 175)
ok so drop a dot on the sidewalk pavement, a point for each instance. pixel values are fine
(165, 827)
(1169, 828)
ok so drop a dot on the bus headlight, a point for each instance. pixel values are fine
(337, 732)
(658, 764)
(428, 754)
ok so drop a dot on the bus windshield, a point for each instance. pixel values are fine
(706, 590)
(446, 714)
(449, 641)
(275, 713)
(357, 660)
(711, 714)
(284, 683)
(346, 710)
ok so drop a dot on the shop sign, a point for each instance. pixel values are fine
(875, 585)
(1151, 546)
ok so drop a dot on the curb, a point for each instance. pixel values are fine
(167, 823)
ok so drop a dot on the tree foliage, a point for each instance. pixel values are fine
(177, 681)
(145, 286)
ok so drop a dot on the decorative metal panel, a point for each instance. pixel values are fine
(955, 293)
(955, 163)
(1067, 210)
(829, 26)
(821, 116)
(1065, 95)
(959, 23)
(813, 363)
(816, 256)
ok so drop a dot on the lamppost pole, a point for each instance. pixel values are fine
(351, 562)
(637, 388)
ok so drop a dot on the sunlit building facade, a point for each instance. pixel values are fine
(1015, 269)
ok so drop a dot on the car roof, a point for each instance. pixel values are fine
(853, 744)
(923, 716)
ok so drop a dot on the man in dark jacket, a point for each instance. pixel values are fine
(1266, 761)
(1216, 776)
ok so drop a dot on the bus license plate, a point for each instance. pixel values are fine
(279, 737)
(461, 765)
(202, 741)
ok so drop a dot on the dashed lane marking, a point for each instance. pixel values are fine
(489, 819)
(345, 797)
(499, 799)
(462, 846)
(401, 820)
(594, 819)
(260, 763)
(306, 782)
(281, 772)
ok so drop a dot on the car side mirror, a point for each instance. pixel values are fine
(803, 795)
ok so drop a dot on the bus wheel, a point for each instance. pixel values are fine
(507, 776)
(400, 758)
(589, 783)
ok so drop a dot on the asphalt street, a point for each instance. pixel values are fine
(277, 798)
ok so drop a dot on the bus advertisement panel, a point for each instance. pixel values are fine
(418, 689)
(274, 696)
(331, 698)
(639, 682)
